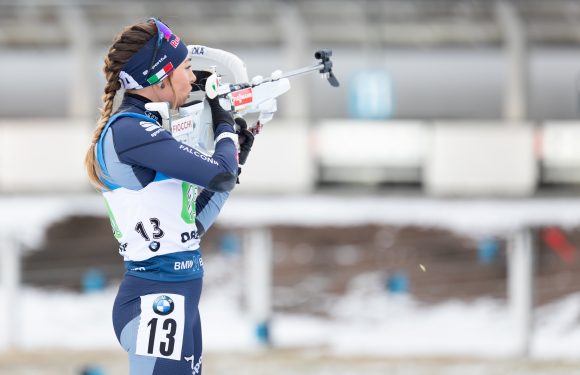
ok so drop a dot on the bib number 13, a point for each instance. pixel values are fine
(157, 232)
(161, 326)
(165, 348)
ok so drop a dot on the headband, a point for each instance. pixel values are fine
(155, 60)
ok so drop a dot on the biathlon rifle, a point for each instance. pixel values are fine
(192, 123)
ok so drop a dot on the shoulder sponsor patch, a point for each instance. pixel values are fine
(152, 128)
(149, 126)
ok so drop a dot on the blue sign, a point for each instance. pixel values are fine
(487, 251)
(371, 95)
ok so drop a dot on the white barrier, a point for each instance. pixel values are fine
(371, 151)
(39, 156)
(460, 158)
(561, 152)
(48, 155)
(481, 159)
(280, 161)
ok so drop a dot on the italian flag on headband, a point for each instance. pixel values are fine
(160, 74)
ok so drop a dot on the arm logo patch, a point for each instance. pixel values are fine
(152, 128)
(149, 126)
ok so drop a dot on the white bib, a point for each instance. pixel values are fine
(156, 220)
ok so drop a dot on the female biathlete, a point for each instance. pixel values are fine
(161, 196)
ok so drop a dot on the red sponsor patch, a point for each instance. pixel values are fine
(242, 97)
(175, 42)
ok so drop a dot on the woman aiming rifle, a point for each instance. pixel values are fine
(161, 195)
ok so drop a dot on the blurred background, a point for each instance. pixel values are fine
(423, 218)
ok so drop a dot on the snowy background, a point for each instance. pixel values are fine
(366, 320)
(471, 99)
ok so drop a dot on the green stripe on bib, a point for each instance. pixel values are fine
(116, 231)
(188, 203)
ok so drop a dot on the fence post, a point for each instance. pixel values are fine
(9, 285)
(520, 288)
(516, 81)
(258, 275)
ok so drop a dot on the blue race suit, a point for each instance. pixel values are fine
(158, 218)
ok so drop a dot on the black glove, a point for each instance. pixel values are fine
(218, 114)
(245, 140)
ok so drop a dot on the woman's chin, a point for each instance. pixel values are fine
(181, 102)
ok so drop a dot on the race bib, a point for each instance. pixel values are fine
(161, 326)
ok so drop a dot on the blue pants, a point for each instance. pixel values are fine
(158, 324)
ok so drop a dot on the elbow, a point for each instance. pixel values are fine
(200, 228)
(222, 183)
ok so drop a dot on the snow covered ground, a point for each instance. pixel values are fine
(366, 321)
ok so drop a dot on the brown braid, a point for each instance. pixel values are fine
(124, 46)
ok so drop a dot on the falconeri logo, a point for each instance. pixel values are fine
(163, 305)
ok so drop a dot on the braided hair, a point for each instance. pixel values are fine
(124, 46)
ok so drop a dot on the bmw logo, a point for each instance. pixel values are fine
(163, 305)
(154, 246)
